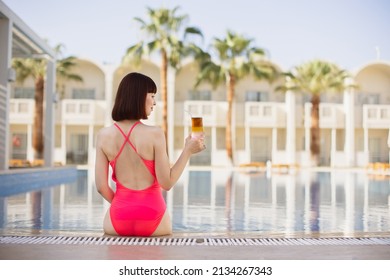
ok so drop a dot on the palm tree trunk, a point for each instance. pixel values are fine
(38, 118)
(230, 99)
(164, 93)
(315, 129)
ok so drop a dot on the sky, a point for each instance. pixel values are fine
(350, 33)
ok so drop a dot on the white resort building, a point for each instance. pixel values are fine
(269, 125)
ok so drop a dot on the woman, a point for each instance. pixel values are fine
(139, 161)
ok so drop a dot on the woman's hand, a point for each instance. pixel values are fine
(195, 145)
(167, 176)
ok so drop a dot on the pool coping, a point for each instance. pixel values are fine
(182, 248)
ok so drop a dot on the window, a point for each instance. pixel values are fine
(83, 93)
(368, 98)
(24, 92)
(374, 146)
(77, 150)
(19, 146)
(260, 148)
(256, 96)
(199, 95)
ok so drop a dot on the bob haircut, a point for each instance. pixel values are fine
(131, 97)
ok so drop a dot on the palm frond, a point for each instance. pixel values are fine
(318, 76)
(134, 54)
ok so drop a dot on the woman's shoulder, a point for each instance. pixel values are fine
(156, 130)
(153, 133)
(105, 131)
(105, 134)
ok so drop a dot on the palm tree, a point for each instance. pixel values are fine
(36, 68)
(164, 28)
(237, 58)
(63, 70)
(315, 78)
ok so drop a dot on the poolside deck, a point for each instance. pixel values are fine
(191, 247)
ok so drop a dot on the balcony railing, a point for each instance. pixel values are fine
(257, 114)
(67, 111)
(331, 115)
(265, 114)
(82, 111)
(376, 116)
(22, 111)
(212, 112)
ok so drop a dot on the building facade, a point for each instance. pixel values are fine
(269, 125)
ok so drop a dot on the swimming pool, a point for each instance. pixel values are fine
(339, 202)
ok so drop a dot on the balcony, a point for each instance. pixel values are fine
(82, 112)
(265, 114)
(21, 111)
(331, 115)
(376, 116)
(213, 112)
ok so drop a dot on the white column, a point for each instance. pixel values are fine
(30, 150)
(48, 153)
(5, 64)
(63, 142)
(290, 128)
(333, 147)
(247, 143)
(274, 142)
(349, 109)
(171, 111)
(366, 151)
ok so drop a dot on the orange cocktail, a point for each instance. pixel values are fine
(197, 126)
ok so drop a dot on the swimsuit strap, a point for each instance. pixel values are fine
(127, 140)
(126, 137)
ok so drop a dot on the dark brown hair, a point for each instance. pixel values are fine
(131, 97)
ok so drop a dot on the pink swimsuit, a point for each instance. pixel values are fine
(136, 212)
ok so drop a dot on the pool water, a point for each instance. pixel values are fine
(346, 203)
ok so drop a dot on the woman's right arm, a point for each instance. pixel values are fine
(167, 176)
(101, 171)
